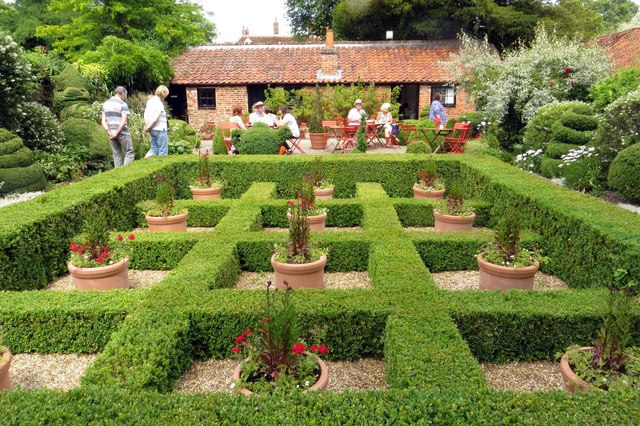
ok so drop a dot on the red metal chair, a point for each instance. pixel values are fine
(295, 143)
(348, 139)
(410, 133)
(461, 135)
(329, 127)
(227, 128)
(372, 132)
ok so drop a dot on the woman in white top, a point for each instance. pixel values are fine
(290, 121)
(385, 120)
(155, 122)
(236, 117)
(269, 117)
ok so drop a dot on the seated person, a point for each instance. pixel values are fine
(356, 113)
(287, 119)
(385, 120)
(257, 113)
(269, 118)
(236, 117)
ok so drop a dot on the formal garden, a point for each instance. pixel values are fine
(431, 342)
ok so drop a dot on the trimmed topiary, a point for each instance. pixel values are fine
(81, 132)
(262, 140)
(69, 77)
(418, 148)
(624, 173)
(219, 147)
(70, 96)
(18, 171)
(40, 129)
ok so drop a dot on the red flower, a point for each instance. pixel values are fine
(131, 237)
(421, 174)
(236, 349)
(120, 237)
(265, 319)
(241, 339)
(323, 349)
(290, 202)
(304, 201)
(175, 190)
(247, 332)
(314, 348)
(298, 348)
(568, 70)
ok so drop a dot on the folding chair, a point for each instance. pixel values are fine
(461, 135)
(227, 128)
(393, 141)
(330, 129)
(348, 137)
(372, 134)
(411, 132)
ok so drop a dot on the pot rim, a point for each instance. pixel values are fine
(167, 219)
(213, 189)
(107, 269)
(294, 268)
(505, 271)
(454, 219)
(568, 375)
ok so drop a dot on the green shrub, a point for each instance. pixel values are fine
(476, 119)
(611, 89)
(538, 131)
(16, 81)
(262, 140)
(219, 147)
(18, 172)
(69, 77)
(70, 96)
(566, 135)
(419, 148)
(550, 167)
(40, 129)
(88, 134)
(182, 134)
(624, 173)
(81, 110)
(584, 174)
(557, 150)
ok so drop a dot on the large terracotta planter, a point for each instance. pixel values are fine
(5, 363)
(427, 193)
(316, 223)
(323, 193)
(570, 382)
(101, 278)
(498, 277)
(320, 384)
(299, 275)
(318, 140)
(206, 193)
(449, 223)
(177, 223)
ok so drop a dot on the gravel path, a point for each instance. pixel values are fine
(215, 375)
(524, 376)
(433, 229)
(137, 279)
(468, 280)
(332, 280)
(346, 228)
(48, 371)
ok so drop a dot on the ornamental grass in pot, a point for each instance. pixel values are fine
(451, 214)
(430, 184)
(161, 214)
(611, 364)
(299, 263)
(97, 262)
(275, 359)
(504, 264)
(204, 187)
(322, 186)
(317, 135)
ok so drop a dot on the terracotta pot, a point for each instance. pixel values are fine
(5, 363)
(102, 277)
(318, 140)
(177, 223)
(299, 275)
(498, 277)
(206, 193)
(570, 382)
(323, 193)
(316, 223)
(449, 223)
(320, 384)
(427, 193)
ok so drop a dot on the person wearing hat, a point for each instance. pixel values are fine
(356, 113)
(385, 121)
(257, 115)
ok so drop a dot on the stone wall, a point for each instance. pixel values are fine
(226, 98)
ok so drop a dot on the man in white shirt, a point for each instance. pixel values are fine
(257, 115)
(356, 113)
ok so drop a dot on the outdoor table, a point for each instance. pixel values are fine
(431, 134)
(335, 132)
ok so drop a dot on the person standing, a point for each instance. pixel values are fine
(115, 113)
(155, 123)
(356, 113)
(236, 117)
(437, 112)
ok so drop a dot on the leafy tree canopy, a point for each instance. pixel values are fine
(310, 17)
(613, 12)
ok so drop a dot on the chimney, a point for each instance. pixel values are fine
(329, 60)
(276, 26)
(329, 39)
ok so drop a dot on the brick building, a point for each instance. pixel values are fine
(210, 80)
(623, 46)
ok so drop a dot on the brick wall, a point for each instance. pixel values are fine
(462, 103)
(226, 98)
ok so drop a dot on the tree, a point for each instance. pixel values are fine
(168, 25)
(613, 12)
(310, 17)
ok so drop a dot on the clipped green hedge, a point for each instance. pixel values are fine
(419, 212)
(18, 171)
(624, 173)
(88, 134)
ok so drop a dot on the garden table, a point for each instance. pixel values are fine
(431, 134)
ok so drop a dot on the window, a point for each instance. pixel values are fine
(206, 97)
(448, 95)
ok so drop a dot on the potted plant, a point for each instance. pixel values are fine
(162, 215)
(299, 263)
(609, 364)
(504, 264)
(275, 358)
(5, 364)
(203, 187)
(451, 214)
(317, 136)
(316, 216)
(430, 183)
(322, 187)
(98, 263)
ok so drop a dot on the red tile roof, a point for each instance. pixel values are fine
(378, 62)
(623, 46)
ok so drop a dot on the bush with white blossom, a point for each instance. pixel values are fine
(16, 82)
(529, 160)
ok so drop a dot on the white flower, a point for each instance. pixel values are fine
(306, 383)
(233, 385)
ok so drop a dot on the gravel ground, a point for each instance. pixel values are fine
(346, 228)
(50, 371)
(137, 279)
(189, 229)
(524, 376)
(215, 375)
(433, 229)
(332, 280)
(468, 280)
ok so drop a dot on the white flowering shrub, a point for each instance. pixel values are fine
(620, 127)
(16, 82)
(511, 89)
(581, 169)
(39, 128)
(529, 160)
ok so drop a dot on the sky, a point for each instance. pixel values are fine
(258, 15)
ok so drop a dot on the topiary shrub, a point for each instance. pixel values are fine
(182, 134)
(418, 147)
(262, 140)
(610, 89)
(219, 147)
(18, 171)
(86, 133)
(40, 129)
(69, 77)
(80, 110)
(70, 96)
(538, 132)
(624, 173)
